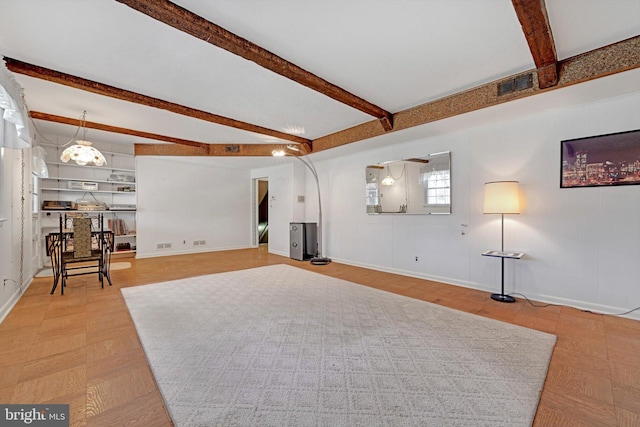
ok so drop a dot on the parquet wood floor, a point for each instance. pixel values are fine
(82, 348)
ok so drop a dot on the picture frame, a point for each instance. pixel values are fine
(602, 160)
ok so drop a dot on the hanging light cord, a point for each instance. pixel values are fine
(47, 140)
(404, 166)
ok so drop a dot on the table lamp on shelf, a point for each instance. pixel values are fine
(501, 197)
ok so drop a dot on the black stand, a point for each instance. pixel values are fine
(501, 297)
(320, 261)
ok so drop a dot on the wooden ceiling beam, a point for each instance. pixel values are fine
(178, 146)
(533, 17)
(184, 20)
(218, 150)
(605, 61)
(47, 74)
(36, 115)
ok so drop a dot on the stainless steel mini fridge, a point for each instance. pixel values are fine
(303, 240)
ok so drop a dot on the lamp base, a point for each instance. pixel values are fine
(502, 298)
(320, 261)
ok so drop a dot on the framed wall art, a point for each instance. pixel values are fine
(603, 160)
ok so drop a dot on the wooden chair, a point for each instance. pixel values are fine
(85, 244)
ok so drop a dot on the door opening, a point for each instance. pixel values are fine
(261, 223)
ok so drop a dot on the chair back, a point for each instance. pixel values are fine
(81, 237)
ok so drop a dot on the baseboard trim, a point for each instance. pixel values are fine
(548, 299)
(13, 299)
(189, 252)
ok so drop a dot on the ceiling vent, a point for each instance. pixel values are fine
(232, 148)
(515, 84)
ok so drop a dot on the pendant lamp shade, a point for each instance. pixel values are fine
(82, 152)
(388, 180)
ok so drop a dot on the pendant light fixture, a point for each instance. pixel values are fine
(82, 152)
(388, 180)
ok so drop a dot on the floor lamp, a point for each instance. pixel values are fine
(501, 197)
(318, 259)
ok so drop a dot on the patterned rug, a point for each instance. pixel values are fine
(282, 346)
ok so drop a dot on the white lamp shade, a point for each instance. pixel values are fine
(83, 153)
(501, 197)
(388, 181)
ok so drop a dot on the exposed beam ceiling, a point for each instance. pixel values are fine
(195, 25)
(237, 150)
(608, 60)
(126, 95)
(178, 146)
(615, 58)
(426, 61)
(36, 115)
(532, 15)
(588, 66)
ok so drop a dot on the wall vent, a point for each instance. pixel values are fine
(232, 148)
(515, 84)
(199, 242)
(163, 245)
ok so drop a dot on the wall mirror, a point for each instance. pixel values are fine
(420, 185)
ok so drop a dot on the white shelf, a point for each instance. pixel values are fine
(72, 190)
(99, 181)
(54, 188)
(106, 167)
(499, 254)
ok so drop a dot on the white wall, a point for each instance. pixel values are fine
(11, 230)
(182, 200)
(286, 181)
(582, 245)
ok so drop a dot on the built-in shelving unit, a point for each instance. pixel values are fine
(112, 187)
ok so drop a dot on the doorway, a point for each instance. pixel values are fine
(261, 212)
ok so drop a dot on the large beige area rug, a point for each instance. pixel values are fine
(282, 346)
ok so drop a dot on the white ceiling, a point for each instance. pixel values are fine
(393, 53)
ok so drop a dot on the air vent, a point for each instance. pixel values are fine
(232, 148)
(516, 84)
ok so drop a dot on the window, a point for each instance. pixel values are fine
(372, 194)
(35, 197)
(436, 185)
